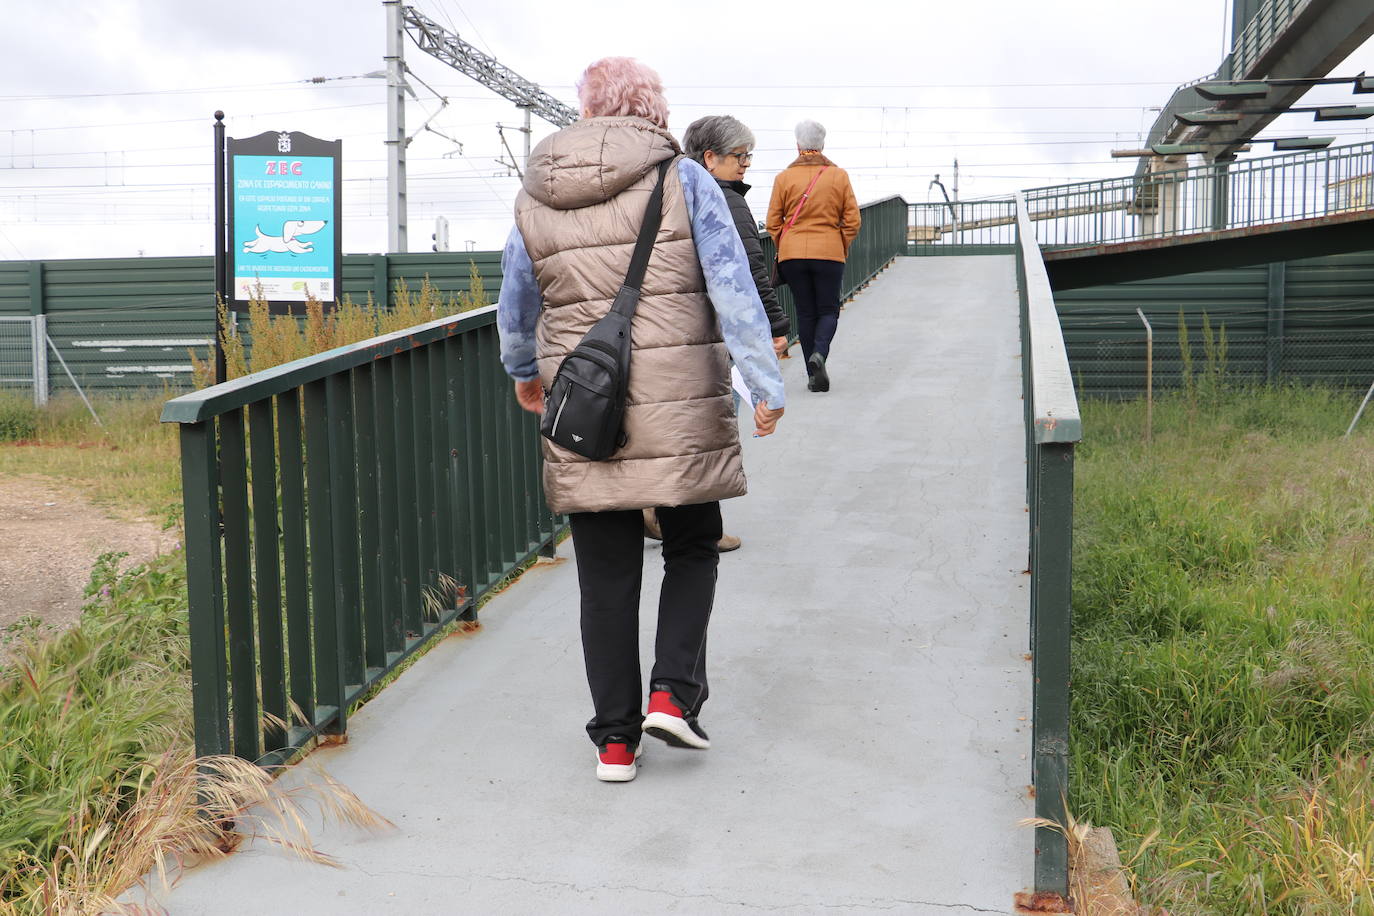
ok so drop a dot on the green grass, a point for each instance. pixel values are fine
(129, 465)
(95, 722)
(80, 710)
(1224, 648)
(18, 417)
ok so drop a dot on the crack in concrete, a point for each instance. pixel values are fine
(886, 903)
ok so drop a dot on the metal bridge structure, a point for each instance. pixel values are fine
(1273, 208)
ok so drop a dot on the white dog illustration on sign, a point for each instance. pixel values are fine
(288, 241)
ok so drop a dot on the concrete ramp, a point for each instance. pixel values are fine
(870, 692)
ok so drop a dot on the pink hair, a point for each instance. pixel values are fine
(621, 87)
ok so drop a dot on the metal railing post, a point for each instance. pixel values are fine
(1052, 430)
(1052, 563)
(205, 589)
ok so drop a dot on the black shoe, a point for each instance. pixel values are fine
(810, 383)
(820, 379)
(667, 721)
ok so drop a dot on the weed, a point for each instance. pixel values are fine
(278, 339)
(80, 708)
(170, 813)
(18, 418)
(98, 784)
(1223, 694)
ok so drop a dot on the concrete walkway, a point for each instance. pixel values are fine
(870, 694)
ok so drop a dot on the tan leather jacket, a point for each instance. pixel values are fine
(829, 220)
(579, 211)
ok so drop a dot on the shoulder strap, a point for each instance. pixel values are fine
(644, 246)
(801, 203)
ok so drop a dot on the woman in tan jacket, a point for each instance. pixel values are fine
(814, 218)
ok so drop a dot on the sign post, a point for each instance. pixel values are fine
(284, 239)
(221, 265)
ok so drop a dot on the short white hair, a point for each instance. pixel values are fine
(810, 135)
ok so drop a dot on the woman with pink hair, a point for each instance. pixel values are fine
(577, 217)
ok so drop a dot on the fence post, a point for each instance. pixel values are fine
(381, 288)
(36, 303)
(38, 347)
(1273, 332)
(38, 334)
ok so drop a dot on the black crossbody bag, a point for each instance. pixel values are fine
(584, 410)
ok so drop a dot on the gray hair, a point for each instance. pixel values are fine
(717, 133)
(810, 135)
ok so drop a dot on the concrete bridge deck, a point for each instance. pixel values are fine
(870, 692)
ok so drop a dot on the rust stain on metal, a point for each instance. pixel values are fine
(1041, 902)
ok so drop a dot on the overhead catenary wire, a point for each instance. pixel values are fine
(463, 183)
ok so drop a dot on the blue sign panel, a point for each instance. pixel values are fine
(284, 207)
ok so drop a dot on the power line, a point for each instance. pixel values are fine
(122, 93)
(735, 104)
(681, 86)
(476, 31)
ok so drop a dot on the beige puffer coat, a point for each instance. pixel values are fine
(580, 210)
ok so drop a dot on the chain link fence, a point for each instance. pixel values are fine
(23, 357)
(1111, 355)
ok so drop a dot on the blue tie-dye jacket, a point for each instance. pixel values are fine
(729, 284)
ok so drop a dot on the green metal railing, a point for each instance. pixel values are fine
(1318, 185)
(882, 236)
(963, 227)
(1052, 430)
(1269, 21)
(1313, 185)
(340, 510)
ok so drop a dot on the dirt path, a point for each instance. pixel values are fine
(50, 537)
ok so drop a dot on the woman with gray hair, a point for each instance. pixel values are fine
(814, 217)
(724, 146)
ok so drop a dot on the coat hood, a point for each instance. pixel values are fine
(595, 159)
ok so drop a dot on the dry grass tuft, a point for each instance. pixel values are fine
(1318, 842)
(184, 810)
(1099, 884)
(278, 339)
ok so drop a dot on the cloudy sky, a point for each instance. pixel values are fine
(106, 108)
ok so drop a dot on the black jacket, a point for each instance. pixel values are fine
(749, 234)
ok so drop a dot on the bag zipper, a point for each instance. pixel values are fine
(559, 416)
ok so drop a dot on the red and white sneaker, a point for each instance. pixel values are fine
(616, 760)
(667, 722)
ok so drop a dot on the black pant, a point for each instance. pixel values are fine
(816, 292)
(610, 561)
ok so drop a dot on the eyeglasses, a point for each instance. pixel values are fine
(744, 158)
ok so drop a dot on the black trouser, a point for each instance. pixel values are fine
(816, 292)
(610, 561)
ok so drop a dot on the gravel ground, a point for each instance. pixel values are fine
(50, 537)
